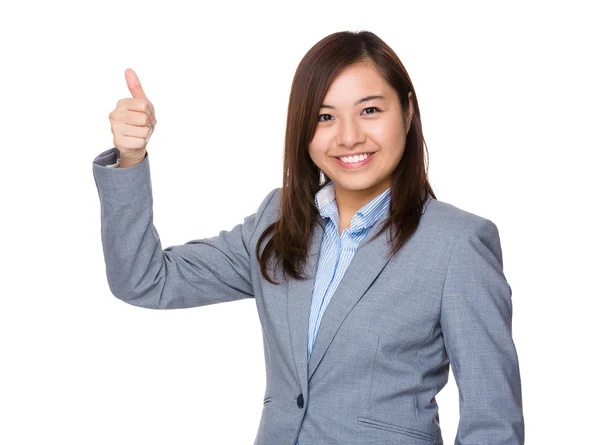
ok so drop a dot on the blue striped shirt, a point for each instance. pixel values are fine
(337, 251)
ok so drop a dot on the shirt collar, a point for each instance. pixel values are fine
(364, 218)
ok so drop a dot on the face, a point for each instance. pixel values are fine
(351, 124)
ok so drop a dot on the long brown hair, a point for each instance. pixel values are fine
(302, 178)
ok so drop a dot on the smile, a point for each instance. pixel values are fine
(353, 162)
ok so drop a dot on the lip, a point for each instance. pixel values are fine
(356, 164)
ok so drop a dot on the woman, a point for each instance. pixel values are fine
(398, 285)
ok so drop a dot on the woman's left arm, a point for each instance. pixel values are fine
(476, 321)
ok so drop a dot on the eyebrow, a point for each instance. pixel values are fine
(364, 99)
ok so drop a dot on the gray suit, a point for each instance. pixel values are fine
(387, 337)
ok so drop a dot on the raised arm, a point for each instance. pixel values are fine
(139, 272)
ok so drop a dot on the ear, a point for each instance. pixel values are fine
(409, 112)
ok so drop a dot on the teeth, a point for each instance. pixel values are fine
(356, 158)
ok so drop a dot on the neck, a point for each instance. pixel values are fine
(350, 201)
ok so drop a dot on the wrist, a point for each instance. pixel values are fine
(129, 161)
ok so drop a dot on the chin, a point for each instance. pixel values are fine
(355, 185)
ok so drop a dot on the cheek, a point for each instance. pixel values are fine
(314, 154)
(388, 133)
(317, 148)
(317, 139)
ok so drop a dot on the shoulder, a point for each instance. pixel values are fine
(452, 220)
(270, 203)
(468, 234)
(268, 210)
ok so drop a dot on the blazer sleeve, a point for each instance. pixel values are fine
(476, 320)
(139, 272)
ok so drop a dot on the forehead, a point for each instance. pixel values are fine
(356, 81)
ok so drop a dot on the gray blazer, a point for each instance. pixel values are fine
(386, 340)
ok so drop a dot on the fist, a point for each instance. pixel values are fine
(132, 121)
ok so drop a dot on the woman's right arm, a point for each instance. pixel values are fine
(139, 272)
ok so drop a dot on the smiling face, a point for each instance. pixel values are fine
(354, 121)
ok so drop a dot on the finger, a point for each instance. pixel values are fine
(135, 131)
(134, 85)
(141, 105)
(147, 107)
(150, 134)
(138, 118)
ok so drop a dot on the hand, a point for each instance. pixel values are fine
(132, 122)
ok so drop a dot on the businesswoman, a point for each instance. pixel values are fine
(367, 287)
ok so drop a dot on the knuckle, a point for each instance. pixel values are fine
(131, 117)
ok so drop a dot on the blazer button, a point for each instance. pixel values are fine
(300, 401)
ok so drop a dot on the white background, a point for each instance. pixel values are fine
(509, 100)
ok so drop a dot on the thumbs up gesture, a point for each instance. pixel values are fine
(132, 122)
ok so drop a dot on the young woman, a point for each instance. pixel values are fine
(367, 287)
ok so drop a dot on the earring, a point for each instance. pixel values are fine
(321, 177)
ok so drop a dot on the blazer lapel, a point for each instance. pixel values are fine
(299, 296)
(367, 263)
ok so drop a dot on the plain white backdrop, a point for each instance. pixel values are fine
(509, 100)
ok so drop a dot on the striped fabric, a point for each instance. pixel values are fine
(337, 252)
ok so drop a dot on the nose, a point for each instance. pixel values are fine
(349, 133)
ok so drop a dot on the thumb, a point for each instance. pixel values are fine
(134, 85)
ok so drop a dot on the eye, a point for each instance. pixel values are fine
(319, 118)
(372, 108)
(325, 120)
